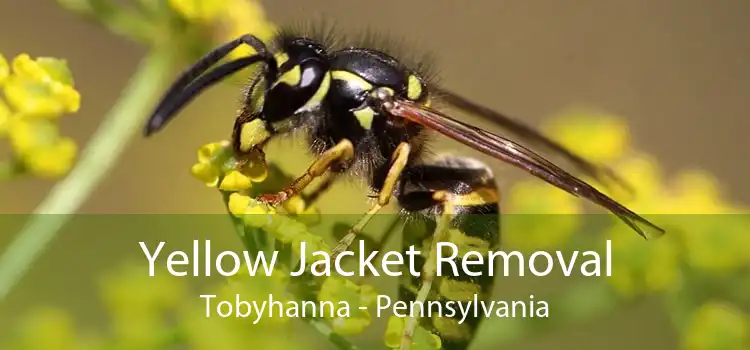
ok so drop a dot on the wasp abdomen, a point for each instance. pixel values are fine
(465, 190)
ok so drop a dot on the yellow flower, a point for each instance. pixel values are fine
(138, 303)
(260, 216)
(130, 291)
(258, 287)
(596, 136)
(207, 152)
(216, 332)
(337, 289)
(235, 181)
(44, 69)
(693, 211)
(42, 87)
(287, 230)
(697, 192)
(298, 207)
(294, 205)
(310, 216)
(201, 11)
(238, 204)
(715, 243)
(38, 92)
(6, 115)
(27, 135)
(714, 234)
(643, 267)
(215, 161)
(48, 328)
(422, 340)
(54, 161)
(205, 172)
(244, 17)
(643, 173)
(233, 18)
(540, 216)
(717, 326)
(38, 144)
(253, 213)
(4, 69)
(208, 169)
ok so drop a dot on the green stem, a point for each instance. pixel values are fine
(106, 145)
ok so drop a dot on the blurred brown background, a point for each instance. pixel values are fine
(677, 70)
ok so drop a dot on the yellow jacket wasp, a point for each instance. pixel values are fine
(366, 113)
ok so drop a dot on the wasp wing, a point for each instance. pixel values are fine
(529, 134)
(517, 155)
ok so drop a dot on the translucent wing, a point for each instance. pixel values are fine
(513, 153)
(526, 133)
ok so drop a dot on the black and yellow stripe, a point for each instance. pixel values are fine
(467, 193)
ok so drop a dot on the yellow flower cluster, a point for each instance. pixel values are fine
(36, 93)
(160, 312)
(580, 129)
(540, 216)
(217, 167)
(232, 18)
(705, 233)
(422, 339)
(701, 231)
(337, 289)
(717, 325)
(137, 302)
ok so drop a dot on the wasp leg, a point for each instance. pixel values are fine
(458, 203)
(398, 163)
(325, 185)
(340, 153)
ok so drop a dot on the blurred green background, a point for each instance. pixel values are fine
(676, 71)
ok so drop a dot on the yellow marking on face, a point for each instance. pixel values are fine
(252, 134)
(428, 102)
(321, 93)
(291, 77)
(351, 78)
(413, 88)
(365, 117)
(281, 58)
(458, 290)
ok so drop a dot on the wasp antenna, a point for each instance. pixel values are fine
(169, 108)
(190, 82)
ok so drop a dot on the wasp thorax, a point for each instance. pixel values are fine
(302, 81)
